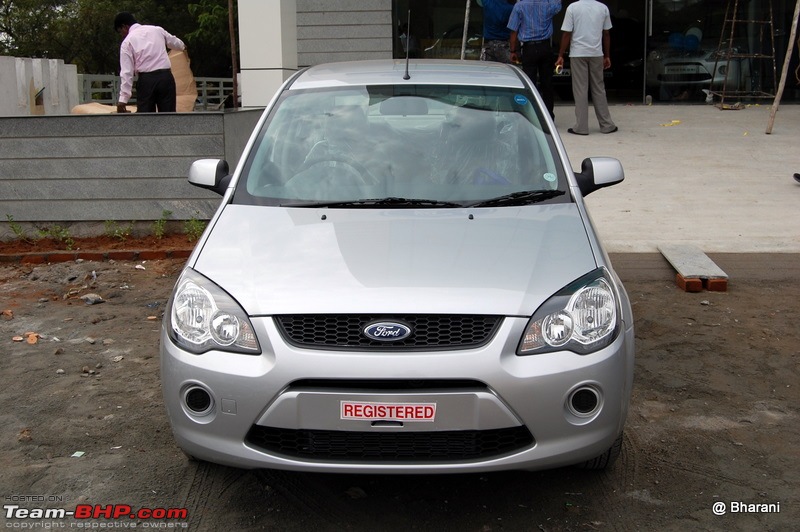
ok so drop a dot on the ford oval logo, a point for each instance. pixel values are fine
(387, 331)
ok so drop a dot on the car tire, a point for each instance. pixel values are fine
(606, 459)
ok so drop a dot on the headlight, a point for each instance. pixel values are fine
(201, 317)
(582, 317)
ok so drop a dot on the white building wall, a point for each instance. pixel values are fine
(276, 37)
(268, 48)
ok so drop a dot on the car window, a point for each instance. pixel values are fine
(444, 143)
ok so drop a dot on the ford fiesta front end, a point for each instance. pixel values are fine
(401, 278)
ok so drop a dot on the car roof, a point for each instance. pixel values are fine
(421, 71)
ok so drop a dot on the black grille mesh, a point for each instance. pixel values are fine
(389, 446)
(344, 331)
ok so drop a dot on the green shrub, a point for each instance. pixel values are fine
(17, 229)
(160, 225)
(194, 227)
(59, 234)
(120, 232)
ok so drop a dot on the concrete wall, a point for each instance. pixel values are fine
(343, 30)
(84, 168)
(21, 79)
(73, 169)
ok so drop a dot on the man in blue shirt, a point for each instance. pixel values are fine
(495, 30)
(531, 25)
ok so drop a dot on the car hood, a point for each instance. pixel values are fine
(503, 261)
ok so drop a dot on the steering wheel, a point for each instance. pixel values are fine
(354, 167)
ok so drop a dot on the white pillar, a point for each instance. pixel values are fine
(267, 48)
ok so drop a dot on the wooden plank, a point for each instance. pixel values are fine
(690, 262)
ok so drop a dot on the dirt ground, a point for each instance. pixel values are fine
(66, 244)
(713, 420)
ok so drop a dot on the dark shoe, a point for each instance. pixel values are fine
(612, 131)
(797, 177)
(570, 130)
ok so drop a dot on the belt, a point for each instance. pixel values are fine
(536, 42)
(161, 71)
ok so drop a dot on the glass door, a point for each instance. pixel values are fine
(625, 79)
(683, 37)
(692, 51)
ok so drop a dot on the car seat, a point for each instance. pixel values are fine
(470, 151)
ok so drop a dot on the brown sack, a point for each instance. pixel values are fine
(185, 85)
(95, 108)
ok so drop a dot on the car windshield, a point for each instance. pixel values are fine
(404, 147)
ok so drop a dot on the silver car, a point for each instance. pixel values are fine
(683, 74)
(401, 278)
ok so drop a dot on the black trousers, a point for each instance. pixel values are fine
(155, 92)
(538, 62)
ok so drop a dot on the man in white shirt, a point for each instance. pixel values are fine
(143, 53)
(586, 31)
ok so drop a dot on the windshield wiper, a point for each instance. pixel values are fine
(375, 202)
(523, 197)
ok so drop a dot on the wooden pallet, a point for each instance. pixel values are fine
(695, 271)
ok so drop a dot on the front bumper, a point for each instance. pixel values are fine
(494, 410)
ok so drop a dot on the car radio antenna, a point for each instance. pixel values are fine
(408, 44)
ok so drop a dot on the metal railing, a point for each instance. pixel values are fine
(211, 92)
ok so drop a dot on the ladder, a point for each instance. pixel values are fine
(743, 63)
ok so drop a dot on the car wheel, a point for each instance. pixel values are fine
(654, 92)
(606, 459)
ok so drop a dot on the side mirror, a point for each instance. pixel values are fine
(599, 172)
(211, 174)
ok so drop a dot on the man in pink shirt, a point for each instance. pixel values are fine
(143, 53)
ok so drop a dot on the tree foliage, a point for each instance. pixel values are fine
(81, 32)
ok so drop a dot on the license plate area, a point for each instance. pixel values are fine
(429, 411)
(379, 411)
(682, 69)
